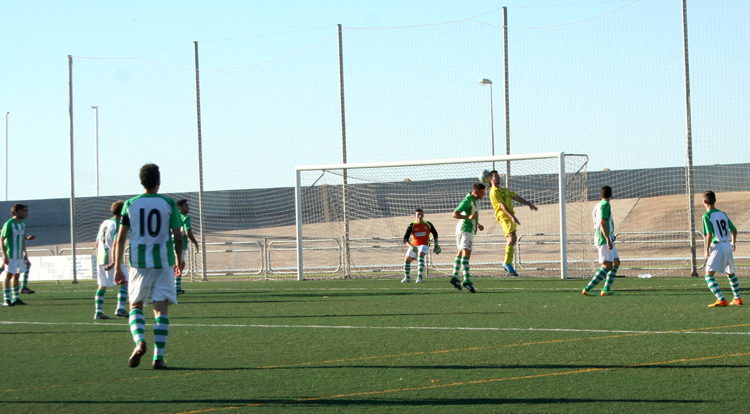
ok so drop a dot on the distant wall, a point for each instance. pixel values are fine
(49, 219)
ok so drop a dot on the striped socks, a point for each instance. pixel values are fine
(122, 298)
(735, 284)
(161, 331)
(715, 289)
(99, 301)
(611, 275)
(137, 325)
(600, 274)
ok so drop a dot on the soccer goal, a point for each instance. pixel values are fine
(351, 218)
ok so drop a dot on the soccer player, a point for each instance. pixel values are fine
(721, 236)
(419, 233)
(502, 201)
(604, 229)
(15, 259)
(105, 274)
(152, 217)
(467, 214)
(187, 233)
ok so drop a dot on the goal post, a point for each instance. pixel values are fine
(354, 226)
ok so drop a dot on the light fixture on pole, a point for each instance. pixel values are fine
(485, 82)
(96, 138)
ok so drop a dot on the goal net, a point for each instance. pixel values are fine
(351, 218)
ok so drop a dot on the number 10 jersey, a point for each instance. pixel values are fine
(151, 218)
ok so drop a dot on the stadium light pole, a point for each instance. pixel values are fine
(486, 82)
(6, 155)
(96, 143)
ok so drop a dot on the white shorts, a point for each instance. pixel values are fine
(16, 266)
(421, 250)
(464, 240)
(721, 259)
(156, 283)
(606, 255)
(106, 278)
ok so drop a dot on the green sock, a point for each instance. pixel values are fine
(122, 298)
(420, 266)
(715, 289)
(735, 284)
(178, 283)
(16, 291)
(456, 266)
(25, 279)
(465, 264)
(611, 275)
(600, 274)
(137, 325)
(407, 269)
(99, 300)
(161, 331)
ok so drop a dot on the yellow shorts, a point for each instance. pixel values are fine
(508, 225)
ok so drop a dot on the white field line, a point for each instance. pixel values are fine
(433, 328)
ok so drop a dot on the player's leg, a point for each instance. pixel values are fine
(602, 272)
(7, 281)
(461, 243)
(178, 275)
(25, 283)
(138, 291)
(162, 295)
(420, 264)
(733, 281)
(716, 263)
(410, 255)
(467, 278)
(122, 296)
(17, 289)
(611, 274)
(509, 228)
(99, 303)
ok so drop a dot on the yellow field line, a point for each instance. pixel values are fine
(442, 351)
(454, 384)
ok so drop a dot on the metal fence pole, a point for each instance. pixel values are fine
(507, 96)
(201, 227)
(343, 151)
(72, 170)
(689, 166)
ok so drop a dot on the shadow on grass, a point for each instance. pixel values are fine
(238, 403)
(348, 315)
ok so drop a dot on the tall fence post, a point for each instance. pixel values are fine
(201, 226)
(507, 95)
(72, 171)
(689, 167)
(343, 152)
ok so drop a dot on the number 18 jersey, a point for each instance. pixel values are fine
(151, 218)
(717, 223)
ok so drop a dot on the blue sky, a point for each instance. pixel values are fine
(38, 36)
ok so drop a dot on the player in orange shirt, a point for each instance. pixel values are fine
(419, 233)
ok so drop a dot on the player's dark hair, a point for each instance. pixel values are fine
(116, 207)
(17, 207)
(709, 197)
(182, 202)
(494, 171)
(150, 176)
(478, 187)
(606, 191)
(418, 210)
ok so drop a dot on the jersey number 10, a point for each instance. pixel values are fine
(154, 217)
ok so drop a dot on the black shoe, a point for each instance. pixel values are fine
(456, 283)
(18, 302)
(469, 286)
(138, 352)
(123, 313)
(181, 291)
(160, 364)
(7, 303)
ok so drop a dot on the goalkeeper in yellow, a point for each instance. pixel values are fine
(502, 201)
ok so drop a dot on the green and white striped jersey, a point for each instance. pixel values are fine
(106, 238)
(151, 217)
(602, 211)
(718, 224)
(468, 207)
(14, 233)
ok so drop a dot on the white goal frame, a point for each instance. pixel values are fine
(498, 158)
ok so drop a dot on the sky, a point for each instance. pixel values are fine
(37, 37)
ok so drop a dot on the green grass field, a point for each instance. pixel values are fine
(517, 345)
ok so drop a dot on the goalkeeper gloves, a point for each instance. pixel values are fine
(437, 249)
(414, 249)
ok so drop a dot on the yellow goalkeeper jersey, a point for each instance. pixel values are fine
(501, 195)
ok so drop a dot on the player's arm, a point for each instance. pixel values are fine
(604, 225)
(189, 233)
(175, 223)
(178, 245)
(508, 213)
(2, 246)
(525, 202)
(407, 235)
(119, 247)
(434, 232)
(30, 237)
(707, 243)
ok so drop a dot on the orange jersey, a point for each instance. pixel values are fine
(420, 233)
